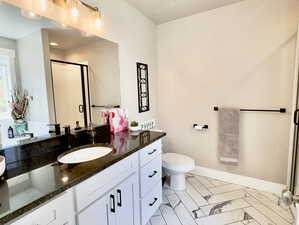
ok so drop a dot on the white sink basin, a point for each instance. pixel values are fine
(2, 165)
(84, 155)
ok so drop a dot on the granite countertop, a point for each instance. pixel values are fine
(41, 138)
(30, 189)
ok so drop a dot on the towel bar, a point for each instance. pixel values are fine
(281, 110)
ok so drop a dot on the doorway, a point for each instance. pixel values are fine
(70, 83)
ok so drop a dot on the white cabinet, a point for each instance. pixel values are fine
(150, 203)
(59, 211)
(126, 193)
(125, 201)
(150, 174)
(94, 187)
(96, 214)
(114, 208)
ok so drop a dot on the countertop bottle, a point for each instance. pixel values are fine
(10, 133)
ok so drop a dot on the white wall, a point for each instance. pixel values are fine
(12, 44)
(240, 55)
(33, 78)
(136, 36)
(7, 43)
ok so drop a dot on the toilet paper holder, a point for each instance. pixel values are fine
(200, 127)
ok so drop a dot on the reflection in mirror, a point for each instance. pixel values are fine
(61, 72)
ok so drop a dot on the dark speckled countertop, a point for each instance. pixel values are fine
(24, 192)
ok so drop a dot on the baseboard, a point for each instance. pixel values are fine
(251, 182)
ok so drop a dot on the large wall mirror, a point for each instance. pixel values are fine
(64, 74)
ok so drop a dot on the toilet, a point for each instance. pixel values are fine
(176, 166)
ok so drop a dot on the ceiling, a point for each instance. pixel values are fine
(161, 11)
(14, 26)
(69, 38)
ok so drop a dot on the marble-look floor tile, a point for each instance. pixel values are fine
(224, 207)
(157, 220)
(217, 182)
(180, 210)
(207, 201)
(204, 181)
(223, 218)
(218, 198)
(164, 198)
(266, 211)
(167, 190)
(198, 186)
(259, 217)
(157, 213)
(169, 215)
(237, 223)
(195, 195)
(270, 204)
(190, 204)
(250, 222)
(225, 188)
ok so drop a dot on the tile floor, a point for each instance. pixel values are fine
(208, 201)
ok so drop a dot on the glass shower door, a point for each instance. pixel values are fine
(290, 196)
(68, 95)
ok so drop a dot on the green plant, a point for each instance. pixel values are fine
(19, 104)
(134, 124)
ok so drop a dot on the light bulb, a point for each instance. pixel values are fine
(54, 44)
(43, 5)
(98, 21)
(73, 6)
(75, 12)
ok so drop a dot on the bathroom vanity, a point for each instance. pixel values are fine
(68, 86)
(123, 187)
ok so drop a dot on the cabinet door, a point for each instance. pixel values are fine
(112, 208)
(59, 211)
(125, 202)
(95, 214)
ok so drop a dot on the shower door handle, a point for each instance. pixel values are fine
(81, 108)
(296, 122)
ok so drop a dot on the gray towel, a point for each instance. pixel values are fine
(228, 136)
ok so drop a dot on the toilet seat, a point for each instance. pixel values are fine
(178, 162)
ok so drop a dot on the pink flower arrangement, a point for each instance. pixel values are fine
(19, 104)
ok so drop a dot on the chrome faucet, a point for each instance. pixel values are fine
(92, 130)
(67, 133)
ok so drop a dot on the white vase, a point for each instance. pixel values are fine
(134, 129)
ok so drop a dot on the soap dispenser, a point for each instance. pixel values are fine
(10, 133)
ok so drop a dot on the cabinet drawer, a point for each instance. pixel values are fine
(94, 187)
(59, 211)
(150, 175)
(150, 152)
(150, 203)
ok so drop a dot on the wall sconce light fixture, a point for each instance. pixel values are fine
(73, 7)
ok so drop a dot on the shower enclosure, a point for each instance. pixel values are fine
(71, 96)
(290, 196)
